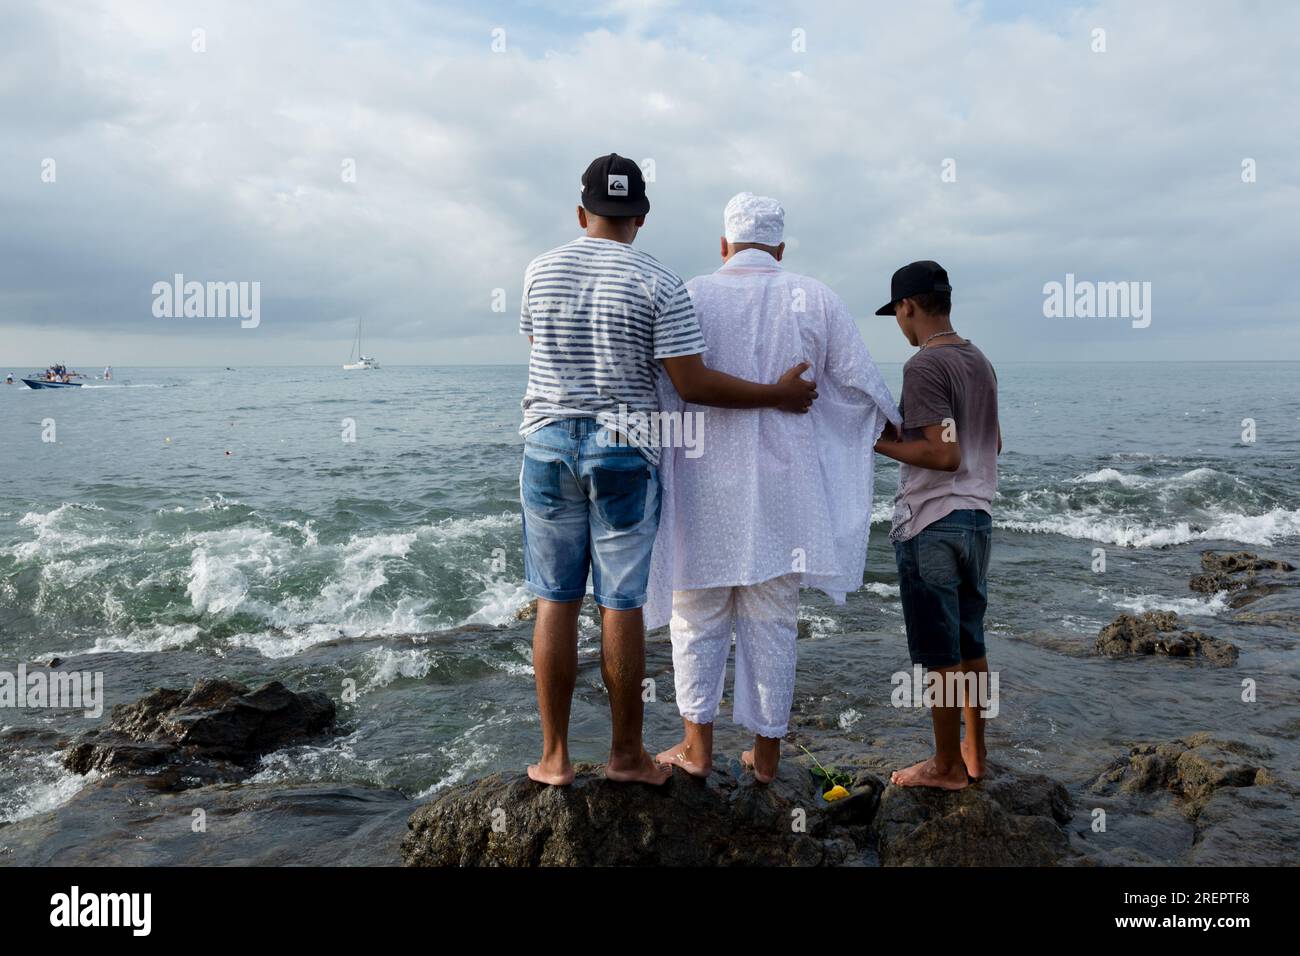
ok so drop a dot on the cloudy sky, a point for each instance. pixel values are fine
(468, 126)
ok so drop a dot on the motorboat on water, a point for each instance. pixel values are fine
(42, 383)
(56, 376)
(356, 360)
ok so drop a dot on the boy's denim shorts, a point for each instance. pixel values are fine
(942, 575)
(589, 504)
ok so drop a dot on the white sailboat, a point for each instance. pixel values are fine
(356, 360)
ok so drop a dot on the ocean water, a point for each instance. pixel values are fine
(205, 522)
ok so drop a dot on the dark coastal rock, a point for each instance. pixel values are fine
(1208, 799)
(507, 820)
(1192, 770)
(1239, 571)
(1255, 826)
(1160, 632)
(216, 730)
(1007, 820)
(1287, 620)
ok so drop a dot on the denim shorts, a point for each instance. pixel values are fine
(942, 576)
(589, 504)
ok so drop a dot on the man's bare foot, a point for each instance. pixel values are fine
(643, 770)
(927, 774)
(679, 756)
(557, 773)
(747, 758)
(974, 761)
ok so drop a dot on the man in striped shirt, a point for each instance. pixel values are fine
(603, 320)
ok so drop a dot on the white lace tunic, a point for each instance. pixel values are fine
(770, 492)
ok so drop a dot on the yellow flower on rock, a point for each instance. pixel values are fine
(835, 793)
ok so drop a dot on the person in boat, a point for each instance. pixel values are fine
(9, 379)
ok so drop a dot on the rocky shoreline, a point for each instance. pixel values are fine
(175, 752)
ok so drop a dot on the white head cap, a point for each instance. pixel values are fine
(750, 218)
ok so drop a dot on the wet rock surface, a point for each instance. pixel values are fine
(1161, 633)
(1244, 574)
(215, 731)
(1192, 770)
(507, 820)
(1005, 820)
(137, 821)
(1200, 800)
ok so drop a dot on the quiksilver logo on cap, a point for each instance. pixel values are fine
(617, 185)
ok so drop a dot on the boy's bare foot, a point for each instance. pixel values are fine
(762, 776)
(974, 759)
(927, 774)
(679, 756)
(643, 770)
(557, 773)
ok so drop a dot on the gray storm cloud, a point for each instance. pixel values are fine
(1004, 146)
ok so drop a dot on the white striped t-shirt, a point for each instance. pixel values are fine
(601, 315)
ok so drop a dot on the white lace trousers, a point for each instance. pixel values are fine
(765, 619)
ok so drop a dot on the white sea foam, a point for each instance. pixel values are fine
(1114, 476)
(222, 563)
(336, 760)
(52, 786)
(882, 590)
(387, 665)
(239, 570)
(280, 644)
(515, 668)
(819, 624)
(1092, 525)
(500, 601)
(469, 752)
(59, 532)
(458, 529)
(1185, 606)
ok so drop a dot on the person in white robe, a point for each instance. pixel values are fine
(758, 504)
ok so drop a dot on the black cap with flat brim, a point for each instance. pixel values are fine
(915, 278)
(613, 186)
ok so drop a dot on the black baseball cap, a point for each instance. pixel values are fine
(613, 186)
(915, 278)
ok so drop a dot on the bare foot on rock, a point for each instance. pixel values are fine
(927, 774)
(762, 775)
(643, 770)
(975, 760)
(679, 756)
(558, 773)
